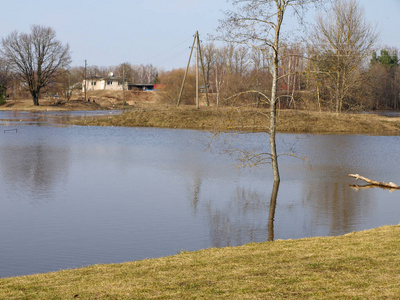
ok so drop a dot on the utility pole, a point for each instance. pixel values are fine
(85, 80)
(202, 67)
(197, 72)
(184, 78)
(123, 86)
(198, 57)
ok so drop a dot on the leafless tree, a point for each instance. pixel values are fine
(145, 74)
(342, 39)
(172, 81)
(383, 79)
(258, 24)
(210, 57)
(5, 78)
(290, 71)
(35, 57)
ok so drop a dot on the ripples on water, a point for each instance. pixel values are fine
(75, 196)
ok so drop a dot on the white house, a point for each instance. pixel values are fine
(96, 83)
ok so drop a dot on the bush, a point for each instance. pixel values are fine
(173, 81)
(3, 96)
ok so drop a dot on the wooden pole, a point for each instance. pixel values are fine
(187, 68)
(85, 80)
(204, 73)
(123, 87)
(197, 70)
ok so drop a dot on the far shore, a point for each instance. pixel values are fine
(151, 114)
(250, 120)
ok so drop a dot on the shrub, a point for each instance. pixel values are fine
(172, 81)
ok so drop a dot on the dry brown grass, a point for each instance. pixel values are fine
(253, 120)
(98, 100)
(362, 265)
(50, 105)
(144, 109)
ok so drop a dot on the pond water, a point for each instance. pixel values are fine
(73, 196)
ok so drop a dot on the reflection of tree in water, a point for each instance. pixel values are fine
(335, 205)
(272, 208)
(242, 220)
(196, 193)
(35, 167)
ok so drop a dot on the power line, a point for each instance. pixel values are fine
(166, 55)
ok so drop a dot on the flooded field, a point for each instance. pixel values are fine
(75, 196)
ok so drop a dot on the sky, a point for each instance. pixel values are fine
(158, 32)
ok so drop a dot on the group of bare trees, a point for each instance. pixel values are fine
(341, 43)
(38, 63)
(335, 70)
(142, 74)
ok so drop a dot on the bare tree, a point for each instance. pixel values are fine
(209, 53)
(384, 78)
(145, 74)
(220, 73)
(5, 78)
(258, 24)
(343, 39)
(290, 70)
(35, 57)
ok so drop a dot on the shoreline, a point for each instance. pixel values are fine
(248, 119)
(362, 264)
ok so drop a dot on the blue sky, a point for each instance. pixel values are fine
(160, 32)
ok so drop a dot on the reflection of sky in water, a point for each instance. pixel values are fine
(15, 118)
(74, 196)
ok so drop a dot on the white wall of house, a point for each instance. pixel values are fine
(95, 84)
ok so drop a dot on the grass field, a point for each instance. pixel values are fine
(361, 265)
(249, 119)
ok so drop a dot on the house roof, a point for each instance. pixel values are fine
(114, 78)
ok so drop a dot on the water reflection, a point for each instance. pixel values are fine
(196, 193)
(338, 206)
(37, 168)
(272, 208)
(241, 220)
(40, 118)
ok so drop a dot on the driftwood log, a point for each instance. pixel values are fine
(373, 183)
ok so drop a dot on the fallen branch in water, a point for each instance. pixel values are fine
(389, 185)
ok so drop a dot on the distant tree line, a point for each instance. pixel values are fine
(140, 74)
(309, 78)
(337, 70)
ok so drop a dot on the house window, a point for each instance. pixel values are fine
(109, 82)
(93, 82)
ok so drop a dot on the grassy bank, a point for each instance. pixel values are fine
(361, 265)
(144, 111)
(212, 118)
